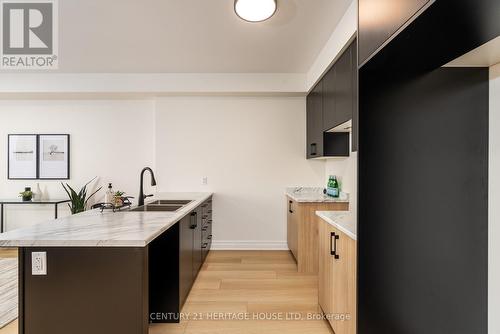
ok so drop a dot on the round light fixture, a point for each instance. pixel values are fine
(255, 10)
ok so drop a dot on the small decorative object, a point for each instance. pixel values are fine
(22, 157)
(27, 194)
(79, 200)
(333, 188)
(109, 197)
(54, 157)
(119, 198)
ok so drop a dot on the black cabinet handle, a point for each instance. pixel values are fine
(194, 219)
(205, 245)
(205, 228)
(209, 237)
(313, 149)
(333, 245)
(289, 207)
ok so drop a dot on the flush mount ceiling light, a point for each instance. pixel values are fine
(255, 10)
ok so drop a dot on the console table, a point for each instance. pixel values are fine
(19, 201)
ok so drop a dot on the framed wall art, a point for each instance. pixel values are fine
(38, 156)
(53, 162)
(22, 162)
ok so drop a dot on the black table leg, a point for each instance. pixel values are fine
(55, 211)
(1, 218)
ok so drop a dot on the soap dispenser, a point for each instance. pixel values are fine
(110, 195)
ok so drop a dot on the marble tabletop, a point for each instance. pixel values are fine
(313, 195)
(107, 229)
(342, 220)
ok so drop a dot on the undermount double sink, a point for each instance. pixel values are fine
(162, 205)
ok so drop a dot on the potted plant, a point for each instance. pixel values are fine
(78, 200)
(119, 198)
(27, 194)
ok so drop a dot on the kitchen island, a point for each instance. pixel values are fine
(110, 272)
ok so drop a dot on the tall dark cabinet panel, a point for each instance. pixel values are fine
(423, 248)
(423, 141)
(355, 112)
(380, 19)
(315, 121)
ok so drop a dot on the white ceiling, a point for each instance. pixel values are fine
(192, 36)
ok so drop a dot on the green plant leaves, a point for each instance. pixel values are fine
(78, 200)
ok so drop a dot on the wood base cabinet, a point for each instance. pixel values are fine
(337, 278)
(302, 231)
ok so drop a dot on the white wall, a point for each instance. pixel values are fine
(346, 171)
(338, 41)
(250, 148)
(109, 139)
(494, 200)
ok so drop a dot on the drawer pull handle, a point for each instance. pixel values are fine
(333, 245)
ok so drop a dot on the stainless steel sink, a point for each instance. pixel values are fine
(156, 207)
(170, 201)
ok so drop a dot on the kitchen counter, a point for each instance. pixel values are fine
(342, 220)
(106, 229)
(313, 195)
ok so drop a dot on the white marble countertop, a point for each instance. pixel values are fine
(342, 220)
(313, 195)
(107, 229)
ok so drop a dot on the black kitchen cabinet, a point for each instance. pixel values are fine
(196, 218)
(315, 121)
(329, 97)
(206, 229)
(338, 91)
(173, 275)
(343, 87)
(186, 248)
(380, 19)
(332, 102)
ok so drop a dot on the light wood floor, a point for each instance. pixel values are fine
(235, 285)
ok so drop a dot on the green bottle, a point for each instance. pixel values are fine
(333, 186)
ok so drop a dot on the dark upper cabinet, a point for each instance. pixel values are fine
(329, 95)
(338, 91)
(380, 19)
(314, 109)
(333, 101)
(343, 87)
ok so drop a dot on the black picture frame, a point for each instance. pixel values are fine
(9, 176)
(38, 157)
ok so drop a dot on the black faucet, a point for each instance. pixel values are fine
(141, 191)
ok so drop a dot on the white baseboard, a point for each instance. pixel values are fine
(249, 245)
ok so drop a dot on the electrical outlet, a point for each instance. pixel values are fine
(39, 263)
(205, 180)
